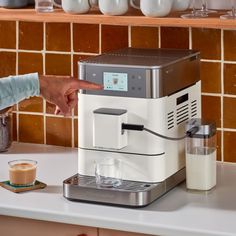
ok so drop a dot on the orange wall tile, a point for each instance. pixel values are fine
(8, 34)
(211, 77)
(30, 63)
(7, 63)
(58, 64)
(34, 104)
(31, 35)
(230, 79)
(208, 42)
(86, 38)
(229, 144)
(114, 37)
(230, 45)
(31, 128)
(144, 37)
(211, 109)
(58, 131)
(181, 37)
(229, 113)
(58, 37)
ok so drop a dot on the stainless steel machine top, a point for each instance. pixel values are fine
(142, 73)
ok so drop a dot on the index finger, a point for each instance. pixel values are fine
(86, 85)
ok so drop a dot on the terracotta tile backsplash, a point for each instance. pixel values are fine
(31, 36)
(211, 77)
(86, 38)
(230, 79)
(8, 34)
(181, 37)
(56, 48)
(208, 41)
(34, 104)
(30, 62)
(229, 146)
(58, 64)
(31, 128)
(211, 109)
(8, 63)
(144, 37)
(114, 37)
(230, 45)
(229, 112)
(58, 37)
(58, 131)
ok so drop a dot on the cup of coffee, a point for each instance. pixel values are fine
(22, 172)
(154, 8)
(75, 6)
(113, 7)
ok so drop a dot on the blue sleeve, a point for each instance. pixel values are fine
(14, 89)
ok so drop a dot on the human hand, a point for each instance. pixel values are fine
(63, 91)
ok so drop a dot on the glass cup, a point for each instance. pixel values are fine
(195, 14)
(204, 9)
(232, 14)
(22, 172)
(108, 173)
(44, 6)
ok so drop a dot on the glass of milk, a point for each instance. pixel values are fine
(201, 155)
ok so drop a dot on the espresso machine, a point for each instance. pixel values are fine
(159, 89)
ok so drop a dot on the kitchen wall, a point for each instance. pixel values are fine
(55, 48)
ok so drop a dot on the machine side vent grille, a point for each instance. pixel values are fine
(194, 108)
(182, 114)
(170, 120)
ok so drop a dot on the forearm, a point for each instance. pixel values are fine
(14, 89)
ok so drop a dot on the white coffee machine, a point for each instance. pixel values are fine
(159, 89)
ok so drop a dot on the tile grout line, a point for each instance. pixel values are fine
(129, 36)
(48, 52)
(17, 71)
(44, 73)
(100, 38)
(190, 38)
(72, 74)
(222, 95)
(41, 114)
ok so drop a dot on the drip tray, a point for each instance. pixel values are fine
(129, 193)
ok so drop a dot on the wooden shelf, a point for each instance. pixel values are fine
(132, 18)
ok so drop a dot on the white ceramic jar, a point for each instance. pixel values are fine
(113, 7)
(180, 5)
(154, 8)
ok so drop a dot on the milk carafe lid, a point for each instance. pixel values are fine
(206, 128)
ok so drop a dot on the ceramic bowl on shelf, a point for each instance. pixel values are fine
(13, 3)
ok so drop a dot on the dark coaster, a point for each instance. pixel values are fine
(18, 189)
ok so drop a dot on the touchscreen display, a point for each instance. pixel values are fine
(115, 81)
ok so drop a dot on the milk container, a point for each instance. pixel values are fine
(201, 156)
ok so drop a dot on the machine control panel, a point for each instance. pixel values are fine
(115, 81)
(123, 82)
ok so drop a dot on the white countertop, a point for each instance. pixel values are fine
(178, 213)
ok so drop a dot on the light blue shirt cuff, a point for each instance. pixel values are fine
(14, 89)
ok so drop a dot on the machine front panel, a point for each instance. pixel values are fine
(119, 81)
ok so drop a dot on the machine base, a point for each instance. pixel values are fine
(129, 194)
